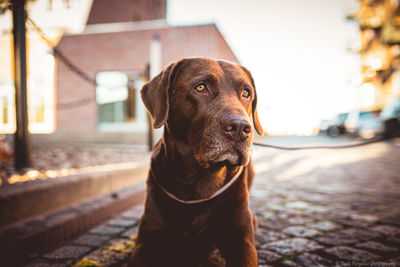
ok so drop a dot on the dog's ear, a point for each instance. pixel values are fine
(256, 121)
(155, 95)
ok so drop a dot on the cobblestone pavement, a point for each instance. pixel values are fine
(314, 208)
(328, 207)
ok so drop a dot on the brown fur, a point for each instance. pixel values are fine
(207, 137)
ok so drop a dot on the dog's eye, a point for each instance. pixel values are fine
(200, 88)
(246, 93)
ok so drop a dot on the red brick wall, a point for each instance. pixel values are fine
(124, 51)
(107, 11)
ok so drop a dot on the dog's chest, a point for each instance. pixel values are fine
(193, 222)
(193, 232)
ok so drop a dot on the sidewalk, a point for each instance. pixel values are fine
(314, 208)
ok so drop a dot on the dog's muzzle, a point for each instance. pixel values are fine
(236, 128)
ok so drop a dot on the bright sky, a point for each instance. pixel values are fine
(296, 50)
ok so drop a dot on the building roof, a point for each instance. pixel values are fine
(106, 11)
(131, 41)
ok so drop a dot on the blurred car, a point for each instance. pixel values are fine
(390, 116)
(337, 126)
(324, 126)
(365, 124)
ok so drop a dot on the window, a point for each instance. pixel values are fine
(119, 106)
(116, 97)
(40, 89)
(41, 96)
(7, 110)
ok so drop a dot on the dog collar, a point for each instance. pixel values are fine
(202, 200)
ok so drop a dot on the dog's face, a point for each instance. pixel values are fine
(208, 105)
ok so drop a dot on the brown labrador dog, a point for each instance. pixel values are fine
(197, 206)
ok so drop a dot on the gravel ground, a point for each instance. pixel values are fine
(56, 157)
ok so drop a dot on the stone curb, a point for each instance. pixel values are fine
(25, 240)
(26, 200)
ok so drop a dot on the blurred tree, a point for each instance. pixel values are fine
(379, 22)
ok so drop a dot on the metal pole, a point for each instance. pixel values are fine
(150, 136)
(153, 69)
(21, 137)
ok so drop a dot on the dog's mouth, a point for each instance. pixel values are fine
(232, 157)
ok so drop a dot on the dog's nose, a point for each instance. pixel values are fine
(237, 127)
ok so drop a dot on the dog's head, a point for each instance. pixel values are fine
(208, 105)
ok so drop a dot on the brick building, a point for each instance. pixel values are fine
(110, 41)
(114, 49)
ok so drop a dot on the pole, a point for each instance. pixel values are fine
(21, 137)
(152, 70)
(150, 137)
